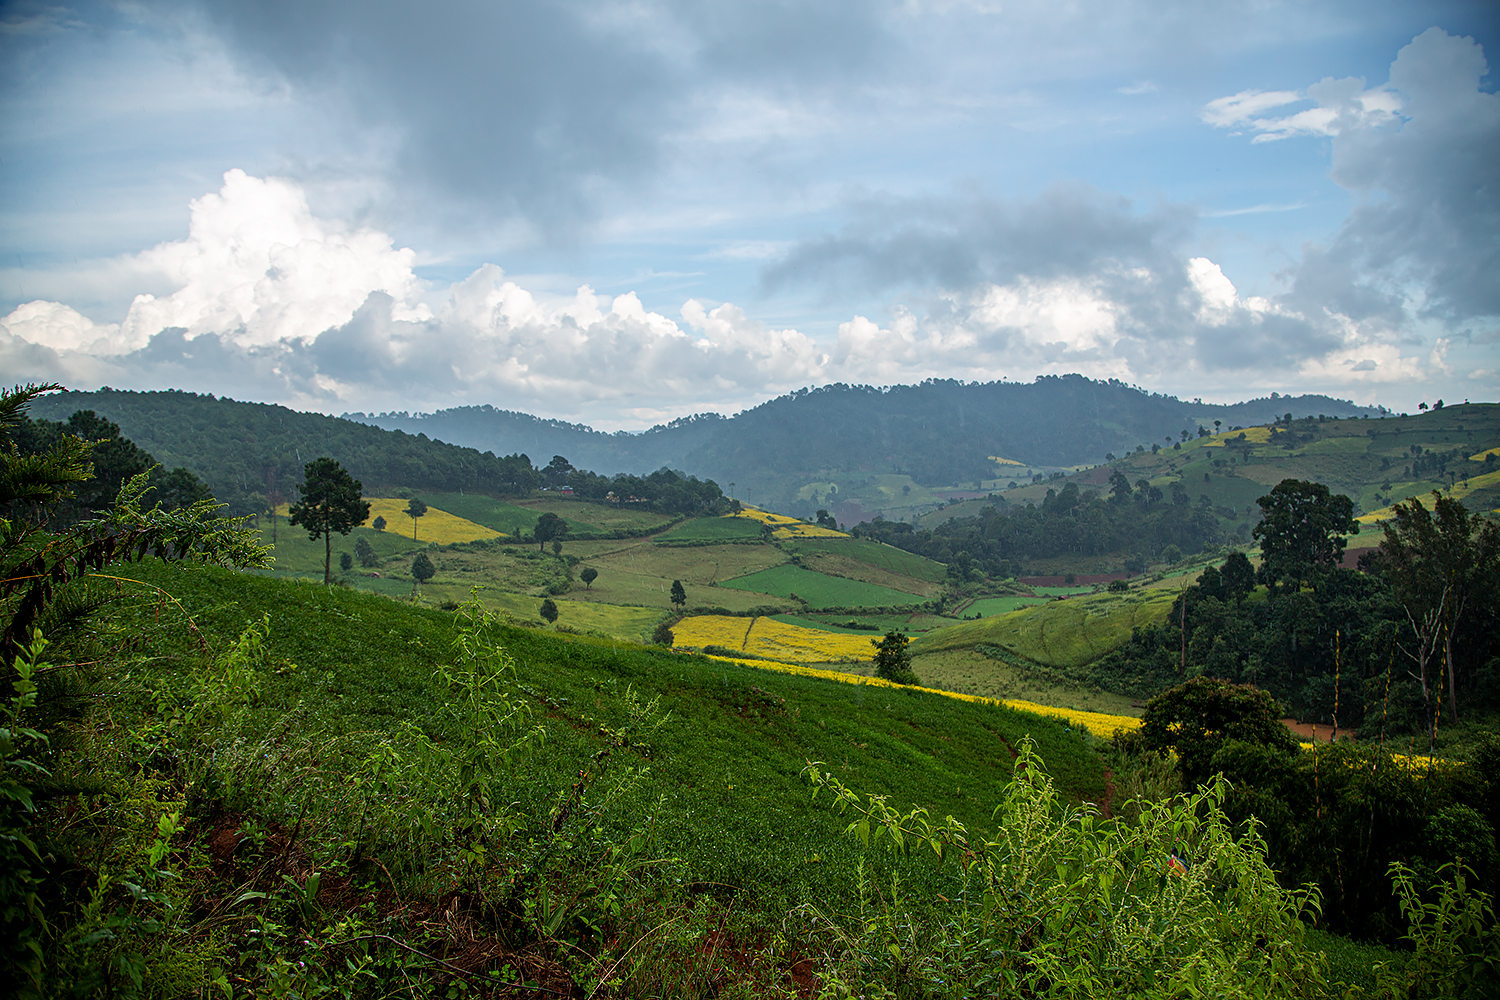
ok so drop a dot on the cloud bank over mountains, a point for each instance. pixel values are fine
(266, 298)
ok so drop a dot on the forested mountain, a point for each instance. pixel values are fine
(939, 432)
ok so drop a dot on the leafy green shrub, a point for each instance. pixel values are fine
(1061, 903)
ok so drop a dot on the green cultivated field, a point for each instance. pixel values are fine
(1059, 634)
(886, 557)
(820, 590)
(711, 529)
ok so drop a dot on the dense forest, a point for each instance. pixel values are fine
(939, 432)
(1408, 642)
(1139, 522)
(251, 455)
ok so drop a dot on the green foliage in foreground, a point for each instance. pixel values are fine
(341, 794)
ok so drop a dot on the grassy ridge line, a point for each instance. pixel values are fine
(1099, 723)
(1459, 490)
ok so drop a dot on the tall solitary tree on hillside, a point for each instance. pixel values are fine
(679, 596)
(331, 500)
(415, 509)
(1302, 531)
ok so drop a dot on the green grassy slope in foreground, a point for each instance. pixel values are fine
(724, 763)
(341, 796)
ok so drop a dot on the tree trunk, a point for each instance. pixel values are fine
(327, 555)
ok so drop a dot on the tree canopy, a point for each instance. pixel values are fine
(892, 659)
(549, 528)
(331, 501)
(1302, 531)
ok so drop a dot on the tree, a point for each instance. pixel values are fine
(1443, 566)
(365, 552)
(892, 659)
(825, 520)
(1302, 531)
(549, 527)
(679, 596)
(346, 562)
(548, 610)
(378, 524)
(588, 576)
(415, 509)
(662, 635)
(331, 500)
(1197, 717)
(422, 568)
(1238, 576)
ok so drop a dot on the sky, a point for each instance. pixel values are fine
(618, 213)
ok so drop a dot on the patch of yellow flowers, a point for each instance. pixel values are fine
(769, 637)
(1098, 723)
(1254, 435)
(788, 527)
(436, 525)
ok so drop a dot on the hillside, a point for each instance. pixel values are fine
(828, 446)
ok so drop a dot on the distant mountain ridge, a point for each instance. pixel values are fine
(937, 432)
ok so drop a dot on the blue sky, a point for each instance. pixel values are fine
(619, 213)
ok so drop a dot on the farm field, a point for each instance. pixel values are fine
(1100, 724)
(820, 590)
(436, 527)
(501, 515)
(989, 607)
(711, 529)
(766, 636)
(638, 571)
(627, 624)
(871, 553)
(598, 518)
(850, 568)
(969, 671)
(911, 624)
(1060, 634)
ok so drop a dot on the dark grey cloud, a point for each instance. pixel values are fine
(546, 111)
(958, 241)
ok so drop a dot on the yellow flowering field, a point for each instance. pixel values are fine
(435, 526)
(1098, 723)
(1254, 435)
(1006, 461)
(1480, 456)
(768, 637)
(788, 527)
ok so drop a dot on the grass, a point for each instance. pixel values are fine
(630, 624)
(499, 515)
(971, 672)
(988, 607)
(703, 529)
(727, 760)
(596, 517)
(819, 589)
(637, 571)
(877, 554)
(1060, 634)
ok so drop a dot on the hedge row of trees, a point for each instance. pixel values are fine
(251, 456)
(1139, 521)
